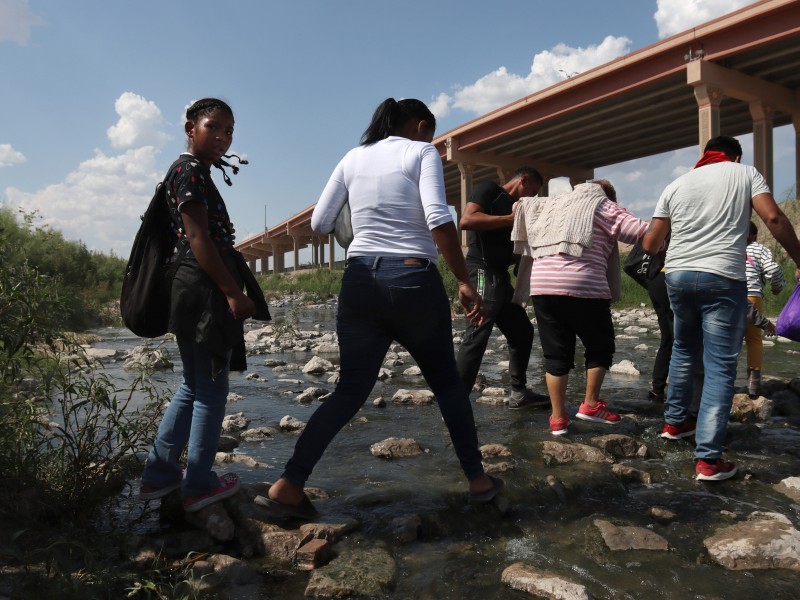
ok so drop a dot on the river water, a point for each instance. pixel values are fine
(462, 550)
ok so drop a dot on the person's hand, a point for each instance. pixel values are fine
(776, 291)
(769, 328)
(470, 300)
(241, 307)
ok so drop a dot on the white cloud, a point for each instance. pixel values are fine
(99, 203)
(675, 16)
(16, 21)
(548, 67)
(9, 156)
(139, 124)
(440, 106)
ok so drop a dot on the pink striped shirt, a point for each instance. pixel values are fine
(585, 276)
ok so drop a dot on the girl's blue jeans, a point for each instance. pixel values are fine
(192, 421)
(384, 299)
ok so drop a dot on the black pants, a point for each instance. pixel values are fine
(512, 321)
(657, 290)
(563, 319)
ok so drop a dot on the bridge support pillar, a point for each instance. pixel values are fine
(708, 101)
(762, 139)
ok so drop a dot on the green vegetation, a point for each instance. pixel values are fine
(315, 285)
(70, 436)
(82, 282)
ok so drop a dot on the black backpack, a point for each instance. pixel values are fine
(145, 299)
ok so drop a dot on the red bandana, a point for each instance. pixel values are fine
(712, 156)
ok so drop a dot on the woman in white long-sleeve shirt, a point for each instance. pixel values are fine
(391, 290)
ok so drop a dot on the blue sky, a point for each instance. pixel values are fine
(94, 91)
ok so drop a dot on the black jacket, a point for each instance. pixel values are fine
(199, 310)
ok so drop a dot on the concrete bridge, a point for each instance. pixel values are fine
(734, 75)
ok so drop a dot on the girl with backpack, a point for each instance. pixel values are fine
(207, 307)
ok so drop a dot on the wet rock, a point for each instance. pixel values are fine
(234, 397)
(327, 348)
(384, 374)
(494, 451)
(227, 458)
(498, 467)
(274, 362)
(257, 434)
(227, 443)
(542, 584)
(625, 367)
(317, 366)
(100, 354)
(745, 410)
(394, 447)
(332, 532)
(557, 486)
(413, 372)
(631, 475)
(334, 378)
(794, 385)
(379, 403)
(785, 402)
(252, 377)
(662, 514)
(355, 572)
(406, 528)
(289, 423)
(214, 519)
(621, 446)
(278, 544)
(765, 542)
(790, 487)
(414, 397)
(181, 543)
(495, 396)
(633, 329)
(235, 422)
(314, 554)
(560, 453)
(144, 358)
(310, 394)
(629, 538)
(232, 571)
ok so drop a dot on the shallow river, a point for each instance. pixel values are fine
(463, 550)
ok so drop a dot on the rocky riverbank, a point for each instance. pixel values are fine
(607, 512)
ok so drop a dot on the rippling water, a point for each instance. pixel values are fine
(463, 550)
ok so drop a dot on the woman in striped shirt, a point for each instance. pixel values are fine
(573, 241)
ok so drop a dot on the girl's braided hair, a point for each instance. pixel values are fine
(203, 107)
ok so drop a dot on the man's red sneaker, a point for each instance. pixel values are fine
(677, 432)
(717, 470)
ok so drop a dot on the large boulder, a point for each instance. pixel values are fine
(765, 541)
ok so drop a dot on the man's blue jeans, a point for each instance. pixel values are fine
(384, 299)
(193, 420)
(710, 315)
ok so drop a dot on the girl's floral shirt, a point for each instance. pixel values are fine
(190, 181)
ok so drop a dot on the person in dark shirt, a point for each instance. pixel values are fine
(489, 218)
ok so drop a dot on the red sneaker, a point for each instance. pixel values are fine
(559, 426)
(677, 432)
(597, 414)
(228, 486)
(717, 470)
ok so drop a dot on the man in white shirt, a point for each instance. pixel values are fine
(707, 213)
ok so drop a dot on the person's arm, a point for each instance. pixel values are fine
(446, 238)
(654, 237)
(779, 226)
(330, 203)
(475, 218)
(195, 224)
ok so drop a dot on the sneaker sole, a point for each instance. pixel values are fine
(194, 507)
(560, 431)
(160, 492)
(680, 436)
(721, 476)
(584, 417)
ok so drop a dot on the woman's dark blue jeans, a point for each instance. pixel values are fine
(384, 299)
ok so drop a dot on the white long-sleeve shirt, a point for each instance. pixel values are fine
(396, 192)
